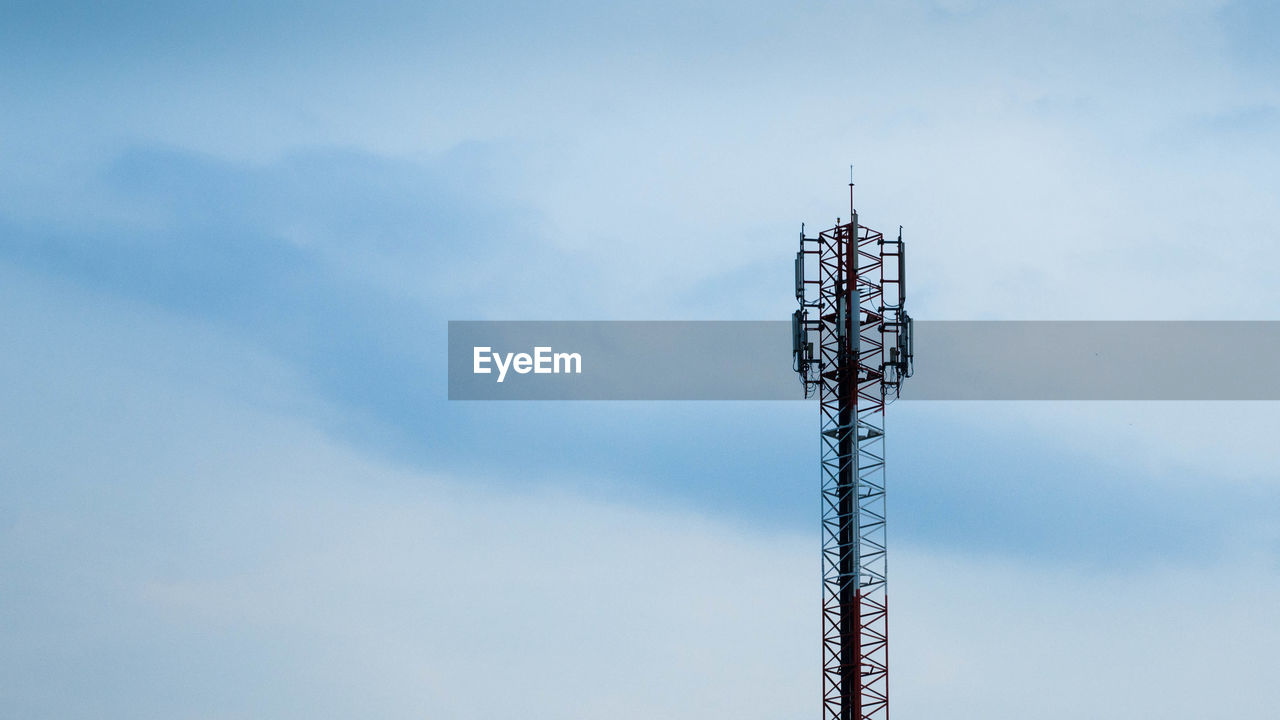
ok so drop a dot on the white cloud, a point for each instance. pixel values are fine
(176, 541)
(1049, 161)
(982, 639)
(174, 548)
(1224, 446)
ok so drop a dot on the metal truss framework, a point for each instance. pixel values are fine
(862, 355)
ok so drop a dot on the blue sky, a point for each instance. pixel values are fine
(231, 236)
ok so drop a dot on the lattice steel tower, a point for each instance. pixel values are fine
(854, 305)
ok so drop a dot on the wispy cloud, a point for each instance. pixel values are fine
(230, 237)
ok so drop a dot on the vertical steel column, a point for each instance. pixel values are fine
(847, 482)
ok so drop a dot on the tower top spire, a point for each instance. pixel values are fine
(851, 211)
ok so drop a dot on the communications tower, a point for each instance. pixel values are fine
(851, 340)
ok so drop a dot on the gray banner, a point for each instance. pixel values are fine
(955, 360)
